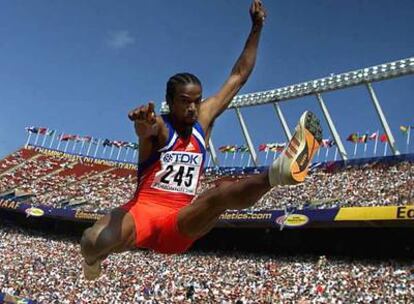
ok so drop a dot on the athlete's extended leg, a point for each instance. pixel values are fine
(115, 232)
(291, 167)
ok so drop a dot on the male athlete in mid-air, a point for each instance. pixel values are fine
(165, 214)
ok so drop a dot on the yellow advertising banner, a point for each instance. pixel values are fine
(375, 213)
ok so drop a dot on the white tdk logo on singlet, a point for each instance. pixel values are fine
(179, 172)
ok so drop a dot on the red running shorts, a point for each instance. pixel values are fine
(156, 227)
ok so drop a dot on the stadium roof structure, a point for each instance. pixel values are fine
(334, 82)
(364, 76)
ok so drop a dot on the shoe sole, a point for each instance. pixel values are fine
(303, 146)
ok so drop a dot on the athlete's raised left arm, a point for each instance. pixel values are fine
(213, 106)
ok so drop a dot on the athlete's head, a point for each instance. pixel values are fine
(184, 92)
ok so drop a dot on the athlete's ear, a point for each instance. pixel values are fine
(169, 101)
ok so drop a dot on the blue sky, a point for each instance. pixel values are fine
(80, 66)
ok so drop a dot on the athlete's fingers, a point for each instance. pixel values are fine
(151, 106)
(138, 113)
(151, 113)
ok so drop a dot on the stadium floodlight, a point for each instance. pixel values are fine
(353, 78)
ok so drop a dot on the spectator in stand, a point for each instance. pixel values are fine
(46, 269)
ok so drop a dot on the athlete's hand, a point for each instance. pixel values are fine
(145, 120)
(257, 12)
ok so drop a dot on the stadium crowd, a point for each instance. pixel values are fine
(102, 189)
(47, 269)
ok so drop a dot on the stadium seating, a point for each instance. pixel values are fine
(53, 178)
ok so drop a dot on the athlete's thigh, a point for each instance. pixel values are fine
(118, 226)
(200, 217)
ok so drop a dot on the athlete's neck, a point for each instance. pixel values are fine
(183, 130)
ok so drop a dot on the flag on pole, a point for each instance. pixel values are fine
(67, 137)
(353, 138)
(262, 147)
(44, 137)
(31, 130)
(404, 129)
(383, 138)
(373, 136)
(376, 141)
(407, 131)
(363, 139)
(42, 131)
(107, 142)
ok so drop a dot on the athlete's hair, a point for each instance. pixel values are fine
(179, 79)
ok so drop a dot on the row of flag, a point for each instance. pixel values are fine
(119, 144)
(356, 138)
(41, 131)
(268, 147)
(233, 149)
(83, 139)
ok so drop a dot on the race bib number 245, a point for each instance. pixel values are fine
(179, 172)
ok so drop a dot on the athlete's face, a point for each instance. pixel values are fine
(186, 103)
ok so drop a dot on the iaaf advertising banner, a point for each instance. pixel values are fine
(47, 211)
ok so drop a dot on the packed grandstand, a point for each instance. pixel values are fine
(62, 180)
(46, 268)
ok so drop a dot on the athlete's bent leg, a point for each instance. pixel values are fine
(115, 232)
(200, 217)
(290, 168)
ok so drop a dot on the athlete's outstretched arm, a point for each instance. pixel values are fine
(149, 128)
(216, 104)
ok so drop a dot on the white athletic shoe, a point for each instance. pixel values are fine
(92, 272)
(292, 166)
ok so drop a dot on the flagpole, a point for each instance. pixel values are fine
(250, 158)
(355, 148)
(385, 148)
(241, 159)
(89, 148)
(274, 155)
(376, 143)
(336, 153)
(53, 139)
(112, 151)
(67, 143)
(326, 154)
(103, 152)
(44, 137)
(97, 147)
(28, 139)
(408, 138)
(267, 153)
(37, 136)
(234, 157)
(225, 158)
(83, 144)
(133, 155)
(60, 141)
(126, 154)
(209, 160)
(74, 146)
(119, 153)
